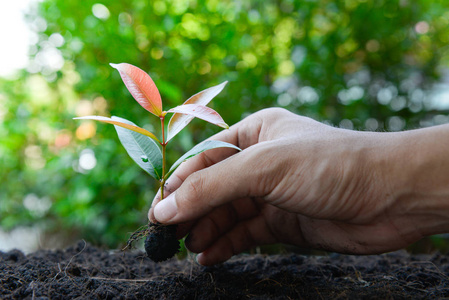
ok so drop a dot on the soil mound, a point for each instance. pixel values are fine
(86, 272)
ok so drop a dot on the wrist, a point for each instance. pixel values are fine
(420, 162)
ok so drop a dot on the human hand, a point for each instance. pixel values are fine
(297, 181)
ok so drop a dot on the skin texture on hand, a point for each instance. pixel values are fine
(301, 182)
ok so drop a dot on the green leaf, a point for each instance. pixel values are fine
(201, 147)
(143, 150)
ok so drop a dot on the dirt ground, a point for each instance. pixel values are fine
(86, 272)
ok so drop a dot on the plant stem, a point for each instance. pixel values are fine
(164, 145)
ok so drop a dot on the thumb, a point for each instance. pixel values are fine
(233, 178)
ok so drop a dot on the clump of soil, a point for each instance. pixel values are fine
(160, 243)
(87, 272)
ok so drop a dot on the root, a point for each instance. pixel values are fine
(68, 264)
(140, 233)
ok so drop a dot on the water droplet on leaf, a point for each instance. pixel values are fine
(144, 158)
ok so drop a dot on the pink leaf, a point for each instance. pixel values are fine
(121, 124)
(202, 112)
(141, 86)
(178, 121)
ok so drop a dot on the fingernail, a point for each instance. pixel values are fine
(166, 209)
(198, 258)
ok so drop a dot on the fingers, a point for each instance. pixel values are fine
(242, 237)
(170, 186)
(230, 230)
(210, 157)
(192, 165)
(237, 177)
(207, 229)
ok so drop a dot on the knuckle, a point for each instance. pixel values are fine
(193, 185)
(274, 112)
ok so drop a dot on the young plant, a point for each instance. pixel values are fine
(149, 152)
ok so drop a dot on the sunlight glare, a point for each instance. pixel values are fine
(15, 36)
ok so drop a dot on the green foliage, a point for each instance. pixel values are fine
(143, 150)
(369, 65)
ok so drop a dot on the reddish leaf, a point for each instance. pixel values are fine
(141, 86)
(202, 112)
(121, 124)
(179, 121)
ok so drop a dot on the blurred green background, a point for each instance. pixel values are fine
(358, 64)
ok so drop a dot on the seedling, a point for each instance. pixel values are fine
(149, 152)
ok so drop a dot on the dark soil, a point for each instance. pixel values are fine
(161, 242)
(86, 272)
